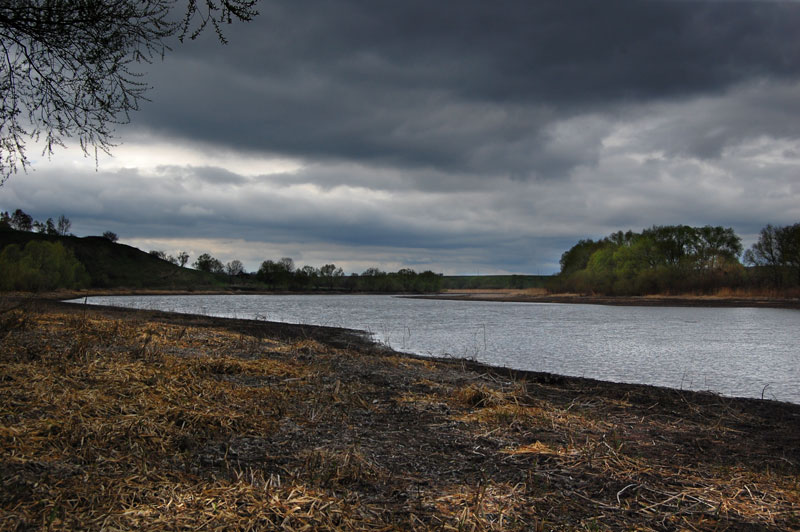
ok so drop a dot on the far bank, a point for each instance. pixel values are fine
(542, 296)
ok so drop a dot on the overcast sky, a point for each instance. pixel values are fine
(463, 137)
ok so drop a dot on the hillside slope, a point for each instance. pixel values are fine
(113, 265)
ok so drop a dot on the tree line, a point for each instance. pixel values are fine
(680, 259)
(776, 256)
(282, 274)
(45, 265)
(22, 221)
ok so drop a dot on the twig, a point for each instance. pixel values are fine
(620, 492)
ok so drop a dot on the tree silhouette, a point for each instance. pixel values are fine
(64, 225)
(207, 263)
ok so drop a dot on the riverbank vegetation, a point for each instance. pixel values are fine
(119, 419)
(283, 275)
(682, 260)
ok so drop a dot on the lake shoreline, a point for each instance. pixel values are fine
(317, 426)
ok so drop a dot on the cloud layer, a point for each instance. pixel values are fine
(470, 137)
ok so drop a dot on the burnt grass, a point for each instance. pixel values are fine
(122, 419)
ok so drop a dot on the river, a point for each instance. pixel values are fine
(743, 352)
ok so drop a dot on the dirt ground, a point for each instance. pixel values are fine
(117, 419)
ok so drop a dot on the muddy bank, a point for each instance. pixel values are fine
(116, 418)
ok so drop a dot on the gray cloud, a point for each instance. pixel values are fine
(462, 137)
(467, 88)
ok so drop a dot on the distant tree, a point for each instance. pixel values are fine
(577, 257)
(38, 227)
(158, 254)
(287, 263)
(407, 279)
(276, 274)
(207, 263)
(789, 245)
(622, 239)
(777, 251)
(50, 227)
(21, 221)
(673, 243)
(110, 235)
(310, 271)
(306, 277)
(430, 281)
(183, 258)
(716, 246)
(5, 220)
(234, 267)
(660, 259)
(766, 253)
(327, 270)
(68, 68)
(372, 280)
(330, 273)
(64, 225)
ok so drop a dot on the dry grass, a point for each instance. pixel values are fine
(123, 423)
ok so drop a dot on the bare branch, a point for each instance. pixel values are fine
(69, 69)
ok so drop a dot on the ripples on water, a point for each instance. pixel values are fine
(733, 351)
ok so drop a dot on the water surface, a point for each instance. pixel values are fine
(732, 351)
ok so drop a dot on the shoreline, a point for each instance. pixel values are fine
(127, 419)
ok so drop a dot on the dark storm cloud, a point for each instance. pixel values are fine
(706, 127)
(470, 86)
(464, 136)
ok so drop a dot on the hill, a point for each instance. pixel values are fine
(114, 265)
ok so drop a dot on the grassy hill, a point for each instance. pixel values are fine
(113, 265)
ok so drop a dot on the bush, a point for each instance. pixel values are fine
(41, 266)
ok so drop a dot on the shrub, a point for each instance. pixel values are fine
(41, 266)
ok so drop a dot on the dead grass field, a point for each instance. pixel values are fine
(121, 420)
